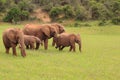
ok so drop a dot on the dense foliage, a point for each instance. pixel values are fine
(57, 9)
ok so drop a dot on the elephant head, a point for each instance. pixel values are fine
(78, 40)
(59, 28)
(48, 31)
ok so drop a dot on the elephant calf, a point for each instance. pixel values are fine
(66, 40)
(30, 41)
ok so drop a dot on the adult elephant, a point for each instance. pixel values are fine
(43, 32)
(12, 37)
(59, 29)
(30, 41)
(66, 40)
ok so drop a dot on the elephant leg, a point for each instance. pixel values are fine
(70, 48)
(62, 48)
(27, 46)
(46, 44)
(32, 46)
(53, 43)
(73, 47)
(7, 50)
(59, 47)
(14, 49)
(56, 47)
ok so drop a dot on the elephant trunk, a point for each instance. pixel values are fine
(79, 46)
(22, 47)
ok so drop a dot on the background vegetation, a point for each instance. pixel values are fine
(62, 9)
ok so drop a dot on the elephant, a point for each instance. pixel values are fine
(11, 37)
(43, 32)
(59, 29)
(66, 40)
(30, 41)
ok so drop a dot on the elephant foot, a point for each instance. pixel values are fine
(56, 47)
(45, 48)
(14, 54)
(23, 54)
(7, 52)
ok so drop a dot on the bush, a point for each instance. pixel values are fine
(26, 6)
(81, 13)
(13, 15)
(116, 20)
(68, 11)
(24, 15)
(102, 23)
(55, 12)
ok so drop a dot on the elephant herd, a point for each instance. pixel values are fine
(38, 34)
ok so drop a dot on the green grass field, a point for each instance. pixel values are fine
(99, 60)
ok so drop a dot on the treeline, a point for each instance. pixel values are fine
(62, 9)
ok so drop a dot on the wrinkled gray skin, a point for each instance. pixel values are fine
(43, 32)
(30, 41)
(66, 40)
(12, 37)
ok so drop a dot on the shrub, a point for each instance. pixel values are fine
(24, 15)
(13, 15)
(81, 13)
(55, 12)
(102, 22)
(68, 11)
(26, 6)
(99, 11)
(116, 20)
(2, 6)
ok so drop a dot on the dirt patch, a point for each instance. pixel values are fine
(41, 15)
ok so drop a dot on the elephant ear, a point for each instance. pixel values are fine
(11, 35)
(46, 31)
(59, 27)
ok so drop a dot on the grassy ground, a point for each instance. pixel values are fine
(99, 60)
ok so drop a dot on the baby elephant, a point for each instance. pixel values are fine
(66, 40)
(30, 41)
